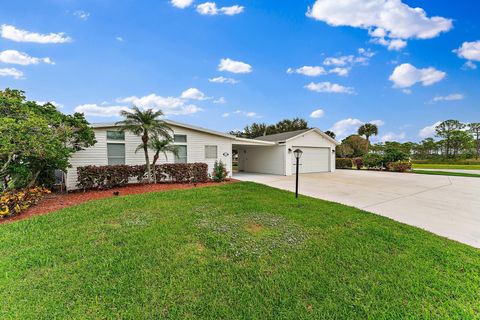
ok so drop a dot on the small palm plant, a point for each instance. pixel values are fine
(159, 145)
(145, 124)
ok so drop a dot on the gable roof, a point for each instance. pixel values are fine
(285, 136)
(281, 137)
(170, 122)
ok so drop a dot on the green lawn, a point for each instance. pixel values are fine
(238, 251)
(447, 166)
(447, 173)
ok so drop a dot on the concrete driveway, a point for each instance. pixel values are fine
(447, 206)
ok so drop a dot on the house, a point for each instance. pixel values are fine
(271, 154)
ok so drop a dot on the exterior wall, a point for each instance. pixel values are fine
(258, 159)
(196, 141)
(309, 139)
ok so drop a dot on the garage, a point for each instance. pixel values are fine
(312, 160)
(273, 154)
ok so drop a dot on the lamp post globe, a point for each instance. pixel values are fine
(298, 153)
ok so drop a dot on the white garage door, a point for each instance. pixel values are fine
(312, 160)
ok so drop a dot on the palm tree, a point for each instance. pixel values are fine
(331, 134)
(144, 124)
(159, 145)
(368, 130)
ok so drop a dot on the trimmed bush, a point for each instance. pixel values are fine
(373, 161)
(107, 177)
(358, 163)
(220, 172)
(343, 163)
(399, 166)
(16, 201)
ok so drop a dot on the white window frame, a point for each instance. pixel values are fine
(207, 156)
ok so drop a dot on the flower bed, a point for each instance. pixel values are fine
(14, 202)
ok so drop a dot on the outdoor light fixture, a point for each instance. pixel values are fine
(298, 154)
(289, 150)
(225, 154)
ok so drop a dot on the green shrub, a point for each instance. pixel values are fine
(14, 202)
(399, 166)
(107, 177)
(358, 163)
(343, 163)
(220, 172)
(373, 161)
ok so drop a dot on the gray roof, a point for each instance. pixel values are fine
(280, 137)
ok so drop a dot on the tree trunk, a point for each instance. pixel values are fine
(155, 158)
(147, 159)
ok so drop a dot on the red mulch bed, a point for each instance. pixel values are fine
(57, 201)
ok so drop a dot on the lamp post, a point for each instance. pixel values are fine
(298, 155)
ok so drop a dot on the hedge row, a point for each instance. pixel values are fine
(13, 202)
(343, 163)
(373, 161)
(107, 177)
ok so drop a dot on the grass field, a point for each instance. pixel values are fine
(447, 173)
(447, 166)
(238, 251)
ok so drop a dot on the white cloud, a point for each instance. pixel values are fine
(232, 10)
(210, 8)
(11, 72)
(407, 91)
(406, 75)
(391, 44)
(339, 61)
(193, 94)
(378, 123)
(350, 126)
(310, 71)
(450, 97)
(429, 131)
(329, 87)
(119, 39)
(391, 136)
(316, 114)
(182, 4)
(12, 33)
(340, 71)
(82, 14)
(93, 109)
(234, 66)
(169, 105)
(249, 114)
(391, 19)
(223, 80)
(17, 57)
(56, 104)
(220, 100)
(469, 51)
(346, 127)
(469, 65)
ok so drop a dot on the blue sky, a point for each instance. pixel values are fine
(400, 71)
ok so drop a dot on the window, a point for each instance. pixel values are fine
(181, 157)
(210, 152)
(115, 153)
(115, 135)
(180, 138)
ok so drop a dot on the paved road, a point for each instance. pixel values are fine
(447, 206)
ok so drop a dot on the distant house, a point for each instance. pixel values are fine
(268, 154)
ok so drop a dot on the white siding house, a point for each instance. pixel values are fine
(268, 154)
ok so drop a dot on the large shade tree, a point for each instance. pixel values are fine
(261, 129)
(36, 139)
(474, 129)
(145, 123)
(446, 130)
(368, 130)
